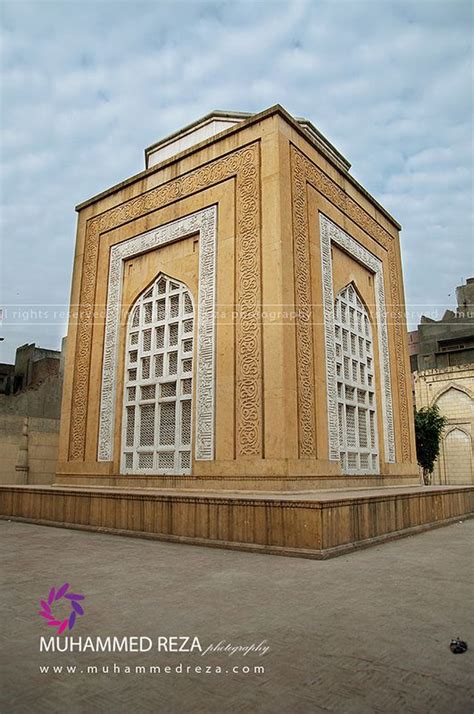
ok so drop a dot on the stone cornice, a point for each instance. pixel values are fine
(277, 109)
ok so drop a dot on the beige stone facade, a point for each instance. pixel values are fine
(452, 390)
(264, 227)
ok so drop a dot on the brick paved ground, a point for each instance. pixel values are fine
(366, 632)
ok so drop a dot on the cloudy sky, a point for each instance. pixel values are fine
(87, 85)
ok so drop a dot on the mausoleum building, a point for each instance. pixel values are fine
(240, 320)
(237, 368)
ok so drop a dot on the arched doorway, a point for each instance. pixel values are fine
(455, 462)
(355, 377)
(457, 457)
(157, 409)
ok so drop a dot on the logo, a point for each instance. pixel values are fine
(48, 605)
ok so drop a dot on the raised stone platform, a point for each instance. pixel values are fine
(307, 524)
(241, 483)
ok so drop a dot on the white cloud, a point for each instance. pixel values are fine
(86, 86)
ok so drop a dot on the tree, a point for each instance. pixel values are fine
(429, 424)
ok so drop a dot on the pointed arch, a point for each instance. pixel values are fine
(455, 404)
(355, 379)
(457, 451)
(352, 284)
(457, 427)
(451, 385)
(158, 384)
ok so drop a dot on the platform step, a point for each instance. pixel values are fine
(313, 524)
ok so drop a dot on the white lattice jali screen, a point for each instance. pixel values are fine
(156, 435)
(355, 379)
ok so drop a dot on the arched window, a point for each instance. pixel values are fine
(156, 432)
(355, 384)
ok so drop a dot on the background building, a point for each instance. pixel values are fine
(442, 359)
(30, 408)
(448, 342)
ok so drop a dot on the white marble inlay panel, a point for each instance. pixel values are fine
(331, 233)
(205, 223)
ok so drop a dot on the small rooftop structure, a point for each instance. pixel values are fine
(32, 365)
(218, 121)
(438, 344)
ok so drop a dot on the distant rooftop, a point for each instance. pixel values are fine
(218, 121)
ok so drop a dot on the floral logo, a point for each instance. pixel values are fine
(54, 597)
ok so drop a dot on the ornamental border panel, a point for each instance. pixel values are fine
(331, 233)
(304, 172)
(244, 166)
(205, 223)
